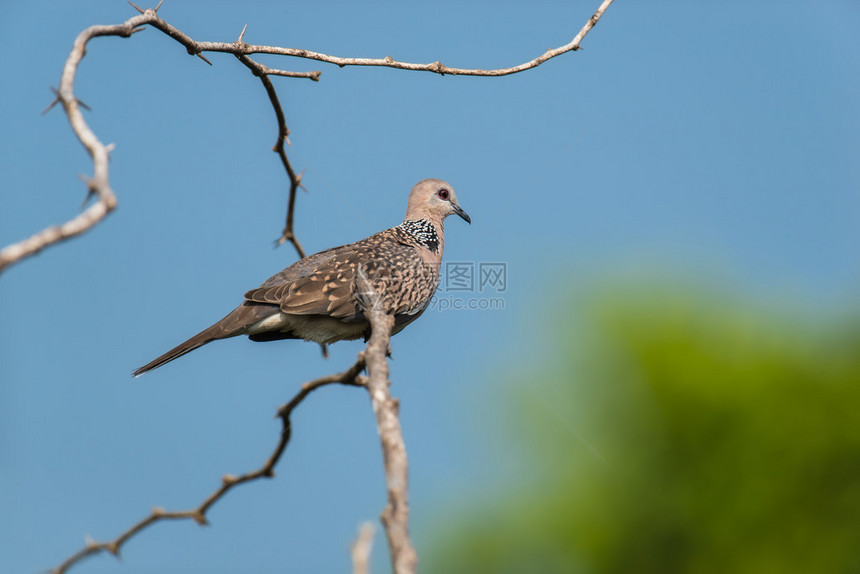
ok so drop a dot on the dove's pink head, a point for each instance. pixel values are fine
(434, 200)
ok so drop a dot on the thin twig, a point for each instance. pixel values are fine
(283, 136)
(349, 377)
(389, 62)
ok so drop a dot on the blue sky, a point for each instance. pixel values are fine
(712, 141)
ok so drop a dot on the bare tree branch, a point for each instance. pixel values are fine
(395, 516)
(283, 136)
(99, 186)
(389, 62)
(362, 548)
(349, 377)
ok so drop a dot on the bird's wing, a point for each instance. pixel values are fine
(325, 283)
(317, 285)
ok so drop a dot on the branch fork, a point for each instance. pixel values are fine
(242, 50)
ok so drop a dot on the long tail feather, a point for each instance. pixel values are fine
(233, 324)
(194, 342)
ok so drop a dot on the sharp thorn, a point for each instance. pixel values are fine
(159, 6)
(51, 105)
(90, 195)
(202, 57)
(242, 35)
(136, 7)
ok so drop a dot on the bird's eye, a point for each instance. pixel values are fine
(444, 193)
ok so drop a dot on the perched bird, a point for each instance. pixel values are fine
(315, 299)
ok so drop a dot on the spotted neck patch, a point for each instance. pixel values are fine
(423, 232)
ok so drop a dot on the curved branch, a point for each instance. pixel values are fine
(389, 62)
(349, 377)
(98, 185)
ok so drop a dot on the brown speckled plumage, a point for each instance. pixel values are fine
(315, 298)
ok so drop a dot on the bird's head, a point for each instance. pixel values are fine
(434, 199)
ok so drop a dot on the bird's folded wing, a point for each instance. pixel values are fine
(325, 283)
(324, 290)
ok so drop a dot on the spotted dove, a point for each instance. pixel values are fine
(318, 298)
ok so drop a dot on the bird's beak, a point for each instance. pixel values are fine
(459, 211)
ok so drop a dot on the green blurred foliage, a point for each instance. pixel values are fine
(728, 441)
